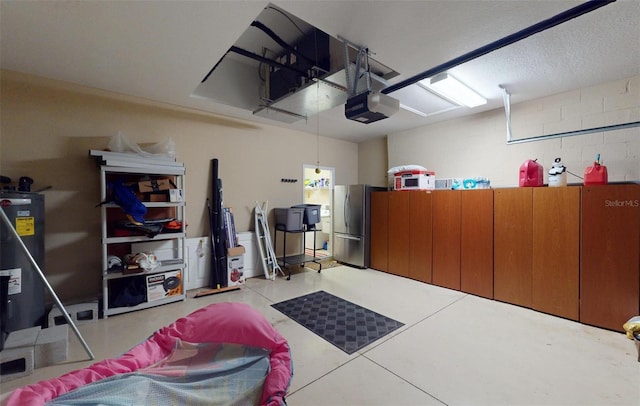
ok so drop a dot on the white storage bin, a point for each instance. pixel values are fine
(252, 266)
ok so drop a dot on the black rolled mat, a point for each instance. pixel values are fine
(346, 325)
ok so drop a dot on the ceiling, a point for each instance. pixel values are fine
(162, 50)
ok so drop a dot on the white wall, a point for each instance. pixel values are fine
(372, 162)
(476, 145)
(48, 127)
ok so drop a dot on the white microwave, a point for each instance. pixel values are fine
(414, 180)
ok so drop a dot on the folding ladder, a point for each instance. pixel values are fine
(270, 264)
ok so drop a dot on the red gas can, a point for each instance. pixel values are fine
(596, 175)
(531, 173)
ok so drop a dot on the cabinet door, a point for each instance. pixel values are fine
(379, 231)
(446, 239)
(420, 235)
(609, 277)
(556, 251)
(476, 242)
(399, 224)
(513, 245)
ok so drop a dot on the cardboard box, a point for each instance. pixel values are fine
(154, 185)
(235, 251)
(235, 265)
(235, 271)
(162, 285)
(175, 195)
(158, 197)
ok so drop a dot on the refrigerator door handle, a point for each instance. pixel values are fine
(345, 210)
(347, 237)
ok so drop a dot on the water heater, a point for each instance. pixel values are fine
(23, 306)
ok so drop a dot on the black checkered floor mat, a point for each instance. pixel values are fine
(344, 324)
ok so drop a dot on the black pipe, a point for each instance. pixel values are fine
(218, 224)
(214, 280)
(214, 67)
(508, 40)
(281, 42)
(268, 61)
(258, 58)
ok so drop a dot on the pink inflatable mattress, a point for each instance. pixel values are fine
(224, 352)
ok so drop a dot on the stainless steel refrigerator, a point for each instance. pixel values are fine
(351, 224)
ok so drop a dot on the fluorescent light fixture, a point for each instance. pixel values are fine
(452, 89)
(411, 109)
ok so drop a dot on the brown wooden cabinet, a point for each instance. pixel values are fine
(379, 253)
(420, 236)
(567, 251)
(446, 238)
(513, 245)
(401, 233)
(399, 222)
(536, 248)
(476, 242)
(610, 270)
(556, 251)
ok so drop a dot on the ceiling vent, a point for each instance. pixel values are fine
(282, 68)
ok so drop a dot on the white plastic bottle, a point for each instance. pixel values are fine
(558, 174)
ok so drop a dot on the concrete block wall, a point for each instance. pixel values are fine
(597, 106)
(17, 356)
(477, 146)
(52, 346)
(80, 313)
(31, 348)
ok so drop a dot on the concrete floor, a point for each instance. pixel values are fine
(454, 349)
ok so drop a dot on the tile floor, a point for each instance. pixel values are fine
(455, 349)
